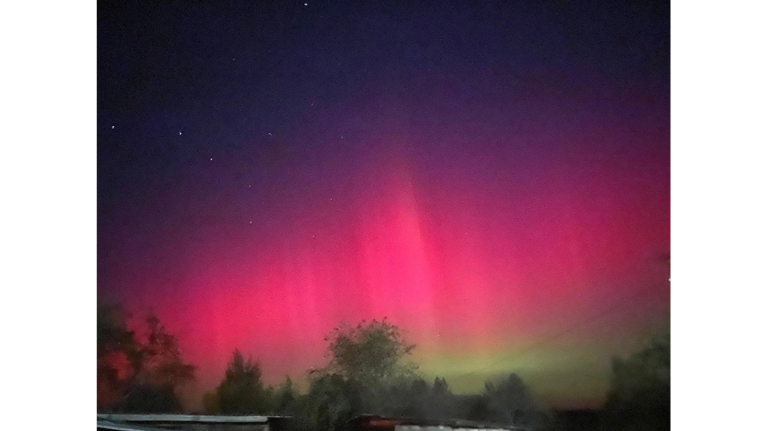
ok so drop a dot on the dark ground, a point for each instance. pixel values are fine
(576, 420)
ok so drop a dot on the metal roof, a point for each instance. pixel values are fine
(102, 424)
(382, 421)
(175, 418)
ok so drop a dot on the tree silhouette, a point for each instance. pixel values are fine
(159, 370)
(241, 391)
(506, 401)
(332, 401)
(639, 395)
(369, 372)
(161, 362)
(372, 354)
(510, 401)
(137, 375)
(285, 397)
(118, 355)
(440, 387)
(441, 403)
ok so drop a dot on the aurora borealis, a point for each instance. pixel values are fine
(493, 179)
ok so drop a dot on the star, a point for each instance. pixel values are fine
(179, 132)
(113, 127)
(269, 134)
(211, 159)
(305, 4)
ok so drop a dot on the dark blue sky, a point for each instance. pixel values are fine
(340, 153)
(229, 74)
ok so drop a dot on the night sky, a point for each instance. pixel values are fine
(493, 177)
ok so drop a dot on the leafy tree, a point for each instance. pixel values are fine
(372, 354)
(510, 401)
(369, 372)
(241, 391)
(417, 399)
(285, 397)
(507, 401)
(137, 375)
(440, 387)
(111, 331)
(639, 395)
(118, 354)
(441, 403)
(159, 370)
(332, 402)
(161, 363)
(405, 399)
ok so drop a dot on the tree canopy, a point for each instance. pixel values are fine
(510, 401)
(639, 395)
(371, 354)
(241, 391)
(368, 365)
(117, 355)
(137, 375)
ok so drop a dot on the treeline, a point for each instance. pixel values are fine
(333, 400)
(369, 372)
